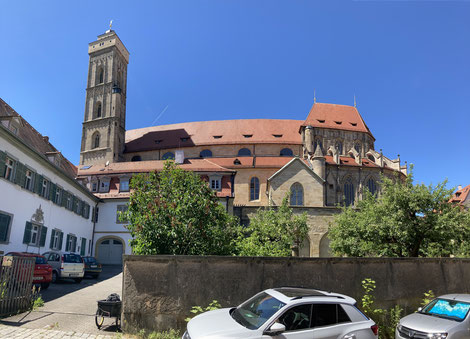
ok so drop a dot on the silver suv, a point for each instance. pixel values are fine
(445, 317)
(288, 313)
(65, 265)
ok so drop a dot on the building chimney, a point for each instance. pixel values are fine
(459, 187)
(179, 156)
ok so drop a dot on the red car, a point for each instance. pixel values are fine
(42, 271)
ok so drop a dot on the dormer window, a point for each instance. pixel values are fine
(353, 123)
(237, 162)
(321, 121)
(184, 139)
(338, 122)
(217, 136)
(247, 135)
(104, 186)
(277, 135)
(124, 185)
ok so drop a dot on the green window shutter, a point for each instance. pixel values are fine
(42, 240)
(52, 239)
(20, 175)
(67, 243)
(27, 233)
(52, 190)
(83, 246)
(4, 224)
(38, 183)
(64, 198)
(3, 159)
(61, 238)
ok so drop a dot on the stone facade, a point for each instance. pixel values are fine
(326, 160)
(104, 123)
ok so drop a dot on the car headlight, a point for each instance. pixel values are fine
(186, 335)
(437, 335)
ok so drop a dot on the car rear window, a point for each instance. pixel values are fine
(41, 260)
(72, 258)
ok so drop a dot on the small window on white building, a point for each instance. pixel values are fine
(58, 196)
(120, 209)
(56, 239)
(34, 235)
(69, 202)
(28, 184)
(45, 188)
(9, 169)
(71, 244)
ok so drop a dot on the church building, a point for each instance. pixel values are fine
(326, 160)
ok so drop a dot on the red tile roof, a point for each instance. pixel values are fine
(348, 161)
(223, 132)
(336, 117)
(195, 165)
(461, 195)
(250, 162)
(35, 140)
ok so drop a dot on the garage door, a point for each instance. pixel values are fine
(110, 252)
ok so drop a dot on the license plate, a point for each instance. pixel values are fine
(93, 266)
(73, 274)
(37, 278)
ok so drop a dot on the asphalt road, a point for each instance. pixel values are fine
(71, 307)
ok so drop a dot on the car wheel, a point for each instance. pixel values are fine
(54, 276)
(78, 280)
(44, 286)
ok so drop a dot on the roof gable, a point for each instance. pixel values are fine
(296, 160)
(336, 117)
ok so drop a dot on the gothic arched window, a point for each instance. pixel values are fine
(371, 157)
(287, 152)
(207, 153)
(101, 75)
(371, 186)
(244, 152)
(296, 195)
(357, 147)
(168, 155)
(96, 140)
(349, 195)
(318, 142)
(339, 147)
(98, 110)
(254, 189)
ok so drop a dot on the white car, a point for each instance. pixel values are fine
(286, 313)
(446, 317)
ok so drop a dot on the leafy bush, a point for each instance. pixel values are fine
(428, 297)
(387, 320)
(214, 305)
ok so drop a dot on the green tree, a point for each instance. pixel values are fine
(174, 211)
(273, 232)
(405, 220)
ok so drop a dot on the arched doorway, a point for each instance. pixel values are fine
(109, 250)
(325, 250)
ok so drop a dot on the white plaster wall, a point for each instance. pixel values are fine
(22, 204)
(107, 226)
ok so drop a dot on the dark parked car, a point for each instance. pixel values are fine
(42, 270)
(92, 267)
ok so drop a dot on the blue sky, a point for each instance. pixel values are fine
(407, 62)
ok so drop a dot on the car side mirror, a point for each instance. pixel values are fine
(275, 329)
(420, 309)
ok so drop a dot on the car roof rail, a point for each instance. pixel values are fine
(316, 295)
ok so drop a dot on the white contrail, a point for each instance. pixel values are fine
(158, 117)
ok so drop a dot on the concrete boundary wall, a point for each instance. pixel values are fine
(159, 291)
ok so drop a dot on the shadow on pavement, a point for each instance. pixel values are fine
(66, 286)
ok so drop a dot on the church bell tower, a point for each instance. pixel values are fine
(104, 124)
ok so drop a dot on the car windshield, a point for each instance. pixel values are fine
(90, 260)
(40, 260)
(256, 311)
(448, 309)
(72, 258)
